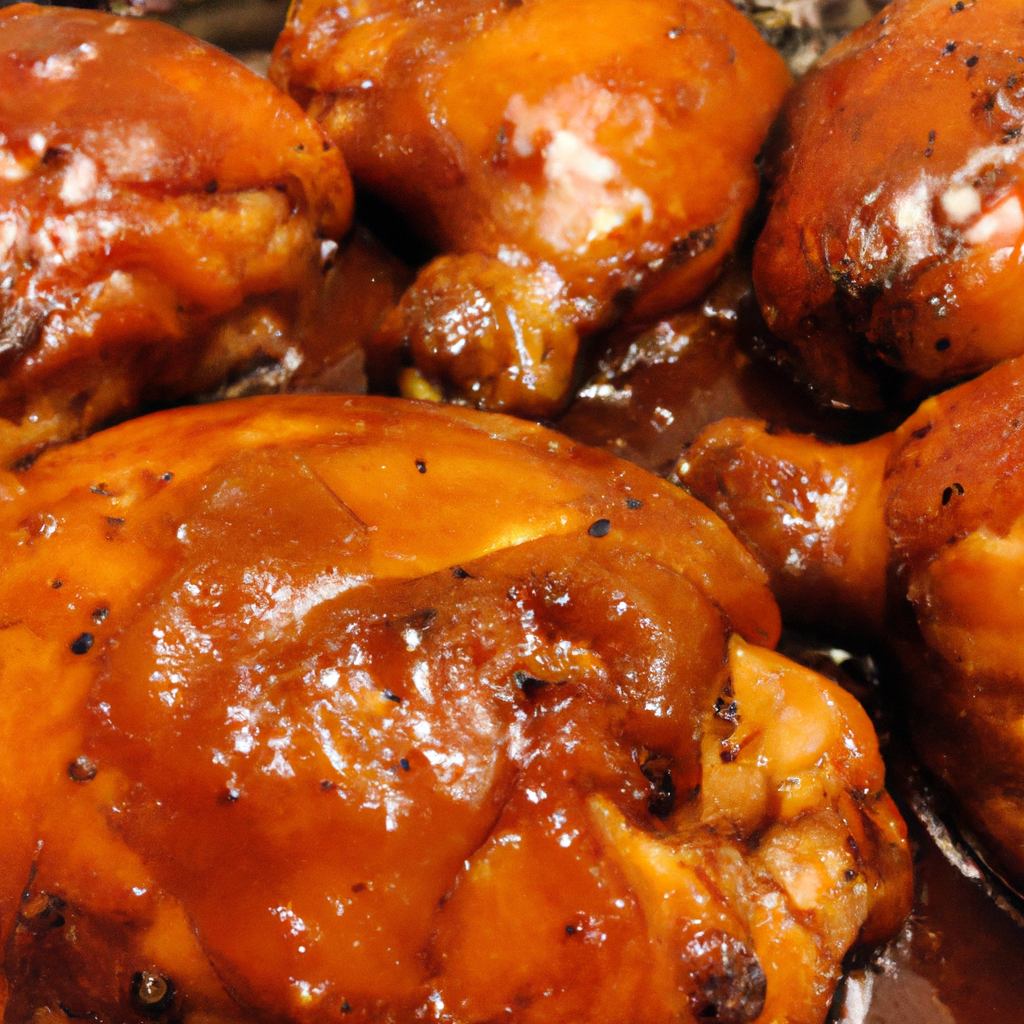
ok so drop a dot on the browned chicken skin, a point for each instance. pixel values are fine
(895, 234)
(164, 218)
(319, 706)
(590, 164)
(918, 532)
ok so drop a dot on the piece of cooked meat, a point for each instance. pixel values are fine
(164, 214)
(592, 164)
(315, 706)
(890, 261)
(914, 537)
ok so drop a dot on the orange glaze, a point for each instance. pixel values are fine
(917, 540)
(163, 212)
(604, 163)
(318, 705)
(896, 226)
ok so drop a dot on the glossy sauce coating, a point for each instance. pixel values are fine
(161, 214)
(895, 232)
(315, 706)
(607, 160)
(925, 543)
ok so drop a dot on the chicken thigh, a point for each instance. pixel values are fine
(891, 258)
(572, 165)
(314, 706)
(915, 536)
(165, 217)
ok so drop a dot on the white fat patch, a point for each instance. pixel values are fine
(586, 195)
(961, 203)
(59, 67)
(1001, 226)
(80, 180)
(11, 168)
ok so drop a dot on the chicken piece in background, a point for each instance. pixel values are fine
(649, 391)
(914, 538)
(891, 261)
(316, 706)
(166, 218)
(598, 166)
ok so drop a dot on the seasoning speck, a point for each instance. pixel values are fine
(57, 584)
(942, 344)
(82, 644)
(152, 993)
(634, 503)
(570, 929)
(948, 49)
(100, 615)
(82, 769)
(460, 574)
(601, 528)
(345, 1008)
(388, 695)
(167, 477)
(971, 61)
(404, 762)
(421, 465)
(948, 493)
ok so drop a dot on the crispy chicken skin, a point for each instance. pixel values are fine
(920, 530)
(895, 234)
(594, 162)
(161, 214)
(315, 705)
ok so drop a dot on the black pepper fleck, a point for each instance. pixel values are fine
(152, 993)
(100, 489)
(421, 465)
(460, 574)
(82, 644)
(948, 49)
(942, 344)
(850, 874)
(388, 695)
(57, 584)
(957, 7)
(345, 1007)
(948, 493)
(326, 784)
(676, 32)
(728, 754)
(210, 187)
(82, 769)
(634, 503)
(100, 615)
(601, 528)
(971, 61)
(167, 477)
(570, 929)
(404, 762)
(114, 521)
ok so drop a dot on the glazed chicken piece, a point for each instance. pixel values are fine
(165, 219)
(570, 168)
(891, 259)
(651, 389)
(919, 531)
(315, 706)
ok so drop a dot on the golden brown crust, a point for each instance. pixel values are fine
(350, 705)
(896, 224)
(160, 214)
(613, 153)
